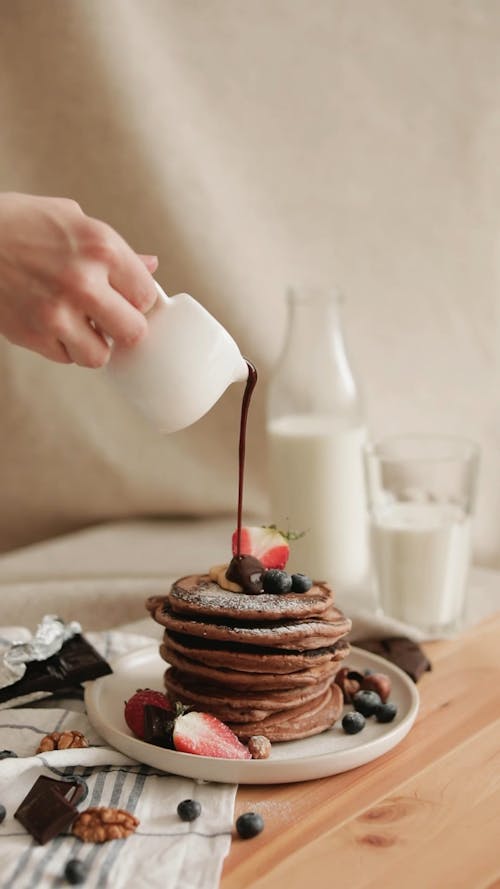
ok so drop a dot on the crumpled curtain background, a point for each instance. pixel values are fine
(253, 146)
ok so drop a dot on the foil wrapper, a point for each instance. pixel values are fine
(48, 639)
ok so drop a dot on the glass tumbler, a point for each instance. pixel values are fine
(421, 492)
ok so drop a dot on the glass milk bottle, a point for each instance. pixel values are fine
(316, 435)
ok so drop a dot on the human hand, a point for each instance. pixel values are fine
(67, 281)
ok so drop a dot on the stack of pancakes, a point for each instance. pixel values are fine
(263, 664)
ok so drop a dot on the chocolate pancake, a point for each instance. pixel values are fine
(252, 658)
(289, 725)
(200, 597)
(263, 664)
(238, 705)
(239, 679)
(311, 633)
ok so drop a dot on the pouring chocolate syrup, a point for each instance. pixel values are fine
(245, 404)
(243, 569)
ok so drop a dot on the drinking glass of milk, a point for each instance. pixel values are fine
(421, 492)
(316, 433)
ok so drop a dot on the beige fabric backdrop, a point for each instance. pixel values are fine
(254, 145)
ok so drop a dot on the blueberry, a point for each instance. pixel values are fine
(301, 583)
(366, 702)
(2, 813)
(353, 723)
(276, 581)
(7, 754)
(75, 871)
(189, 810)
(249, 825)
(385, 712)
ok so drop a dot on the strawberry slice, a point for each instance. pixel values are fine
(266, 543)
(134, 708)
(206, 735)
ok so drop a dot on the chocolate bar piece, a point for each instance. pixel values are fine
(400, 651)
(76, 662)
(49, 808)
(158, 726)
(247, 571)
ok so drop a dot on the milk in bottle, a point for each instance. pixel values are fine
(316, 435)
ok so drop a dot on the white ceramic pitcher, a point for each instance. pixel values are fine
(183, 365)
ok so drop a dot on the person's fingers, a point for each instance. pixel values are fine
(131, 278)
(126, 273)
(101, 250)
(117, 318)
(151, 262)
(84, 344)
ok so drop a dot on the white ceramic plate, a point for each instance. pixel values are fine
(326, 754)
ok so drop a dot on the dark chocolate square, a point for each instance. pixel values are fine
(76, 662)
(49, 807)
(158, 726)
(401, 651)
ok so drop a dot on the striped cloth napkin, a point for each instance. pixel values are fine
(164, 851)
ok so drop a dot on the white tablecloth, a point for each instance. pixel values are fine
(164, 851)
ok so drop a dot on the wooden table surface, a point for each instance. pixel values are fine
(426, 814)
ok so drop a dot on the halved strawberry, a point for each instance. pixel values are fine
(206, 735)
(266, 543)
(134, 708)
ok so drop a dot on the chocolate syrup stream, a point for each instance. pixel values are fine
(245, 404)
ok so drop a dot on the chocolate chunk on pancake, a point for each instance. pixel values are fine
(252, 658)
(199, 596)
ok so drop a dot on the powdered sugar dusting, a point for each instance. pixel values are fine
(200, 594)
(274, 809)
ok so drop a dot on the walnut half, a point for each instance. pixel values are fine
(62, 741)
(99, 824)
